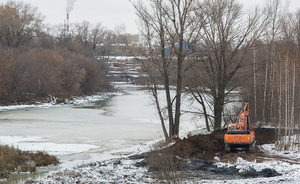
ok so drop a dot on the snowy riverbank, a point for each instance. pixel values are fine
(128, 166)
(112, 167)
(84, 100)
(118, 167)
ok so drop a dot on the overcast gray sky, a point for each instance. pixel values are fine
(108, 12)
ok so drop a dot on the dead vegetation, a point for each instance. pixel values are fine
(15, 160)
(35, 64)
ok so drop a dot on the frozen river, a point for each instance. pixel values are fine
(83, 133)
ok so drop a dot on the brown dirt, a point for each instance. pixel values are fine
(211, 145)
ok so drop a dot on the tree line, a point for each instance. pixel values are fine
(212, 49)
(273, 87)
(38, 60)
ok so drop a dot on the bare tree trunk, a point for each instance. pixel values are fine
(168, 95)
(155, 95)
(286, 99)
(200, 100)
(279, 105)
(291, 126)
(218, 109)
(254, 84)
(272, 88)
(178, 92)
(265, 93)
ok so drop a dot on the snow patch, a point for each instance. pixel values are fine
(290, 171)
(94, 98)
(111, 171)
(18, 107)
(270, 149)
(76, 101)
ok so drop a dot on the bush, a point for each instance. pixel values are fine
(15, 160)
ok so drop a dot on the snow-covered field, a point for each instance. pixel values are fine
(289, 168)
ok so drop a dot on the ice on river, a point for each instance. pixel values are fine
(37, 144)
(81, 131)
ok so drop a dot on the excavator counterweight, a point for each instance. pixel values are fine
(240, 135)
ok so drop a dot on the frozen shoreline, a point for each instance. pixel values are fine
(84, 100)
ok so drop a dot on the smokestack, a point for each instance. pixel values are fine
(69, 8)
(68, 23)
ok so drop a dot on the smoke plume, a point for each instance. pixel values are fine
(70, 5)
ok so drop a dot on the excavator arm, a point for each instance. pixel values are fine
(240, 135)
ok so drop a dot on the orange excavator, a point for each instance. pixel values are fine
(240, 135)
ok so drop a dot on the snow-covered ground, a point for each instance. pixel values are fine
(290, 172)
(117, 167)
(270, 149)
(112, 167)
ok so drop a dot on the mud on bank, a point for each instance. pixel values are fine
(210, 145)
(195, 157)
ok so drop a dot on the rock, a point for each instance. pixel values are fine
(141, 164)
(267, 172)
(198, 164)
(29, 182)
(248, 172)
(118, 162)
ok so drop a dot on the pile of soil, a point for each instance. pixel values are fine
(264, 136)
(208, 146)
(196, 154)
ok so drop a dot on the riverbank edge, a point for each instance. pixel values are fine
(53, 101)
(49, 98)
(135, 167)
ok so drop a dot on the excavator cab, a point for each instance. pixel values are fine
(231, 127)
(240, 135)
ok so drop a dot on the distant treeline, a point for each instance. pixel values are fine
(36, 61)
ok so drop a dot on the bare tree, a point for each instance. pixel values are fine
(288, 57)
(90, 35)
(19, 23)
(227, 37)
(171, 31)
(272, 32)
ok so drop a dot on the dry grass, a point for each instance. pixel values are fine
(15, 160)
(164, 164)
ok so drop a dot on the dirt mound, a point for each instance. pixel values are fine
(208, 146)
(264, 136)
